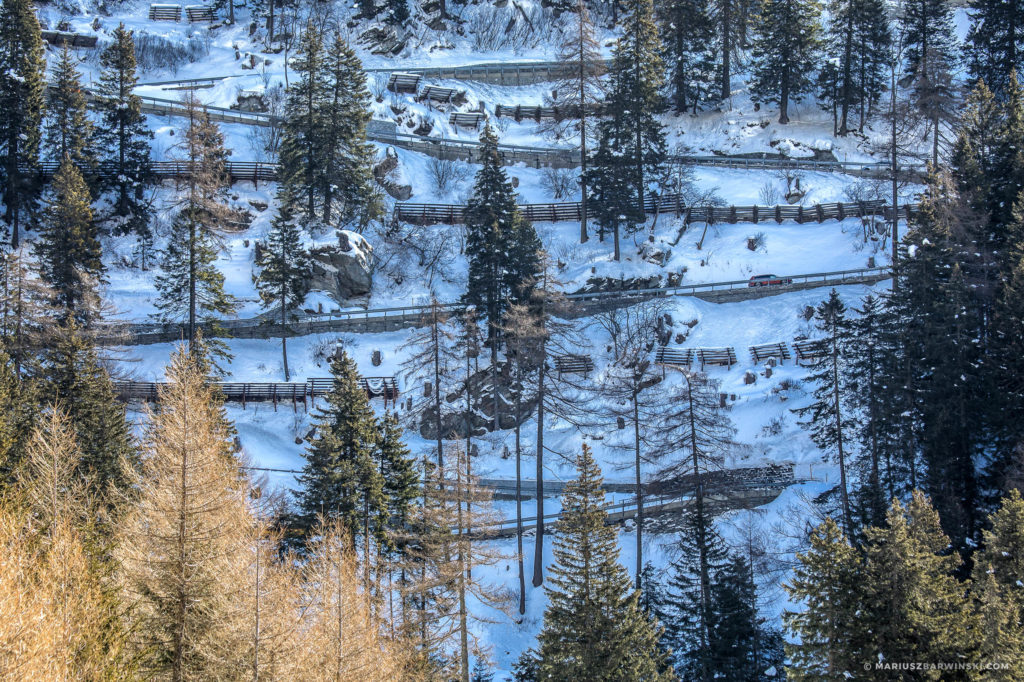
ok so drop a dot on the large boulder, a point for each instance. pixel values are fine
(343, 271)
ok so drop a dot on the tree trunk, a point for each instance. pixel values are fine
(784, 100)
(284, 335)
(726, 19)
(436, 338)
(538, 552)
(519, 494)
(895, 187)
(639, 490)
(847, 517)
(847, 75)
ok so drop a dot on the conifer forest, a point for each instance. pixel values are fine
(512, 340)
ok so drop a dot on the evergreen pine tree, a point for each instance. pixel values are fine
(124, 137)
(26, 308)
(631, 141)
(22, 90)
(941, 360)
(324, 154)
(76, 380)
(348, 188)
(828, 425)
(688, 612)
(858, 39)
(911, 605)
(928, 33)
(995, 46)
(1007, 171)
(339, 479)
(69, 252)
(687, 33)
(190, 286)
(593, 628)
(16, 421)
(284, 267)
(399, 480)
(865, 396)
(785, 52)
(828, 583)
(303, 148)
(501, 244)
(68, 128)
(997, 587)
(741, 648)
(726, 16)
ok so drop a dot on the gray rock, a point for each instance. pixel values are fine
(343, 271)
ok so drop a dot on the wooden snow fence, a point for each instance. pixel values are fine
(674, 357)
(200, 13)
(808, 350)
(165, 12)
(408, 83)
(466, 120)
(256, 392)
(438, 94)
(574, 364)
(764, 351)
(723, 357)
(674, 204)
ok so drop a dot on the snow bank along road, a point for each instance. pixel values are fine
(391, 319)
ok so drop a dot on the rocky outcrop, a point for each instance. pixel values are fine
(456, 423)
(388, 175)
(344, 271)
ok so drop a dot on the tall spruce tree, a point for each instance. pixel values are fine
(912, 606)
(995, 46)
(501, 244)
(687, 613)
(865, 395)
(26, 309)
(1007, 169)
(324, 154)
(785, 52)
(284, 267)
(68, 129)
(348, 188)
(687, 34)
(928, 33)
(997, 586)
(828, 424)
(399, 479)
(726, 16)
(22, 90)
(124, 137)
(827, 582)
(339, 479)
(942, 363)
(593, 626)
(191, 287)
(302, 147)
(69, 252)
(858, 41)
(631, 141)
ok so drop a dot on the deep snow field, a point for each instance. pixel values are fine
(268, 437)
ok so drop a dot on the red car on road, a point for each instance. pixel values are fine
(769, 280)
